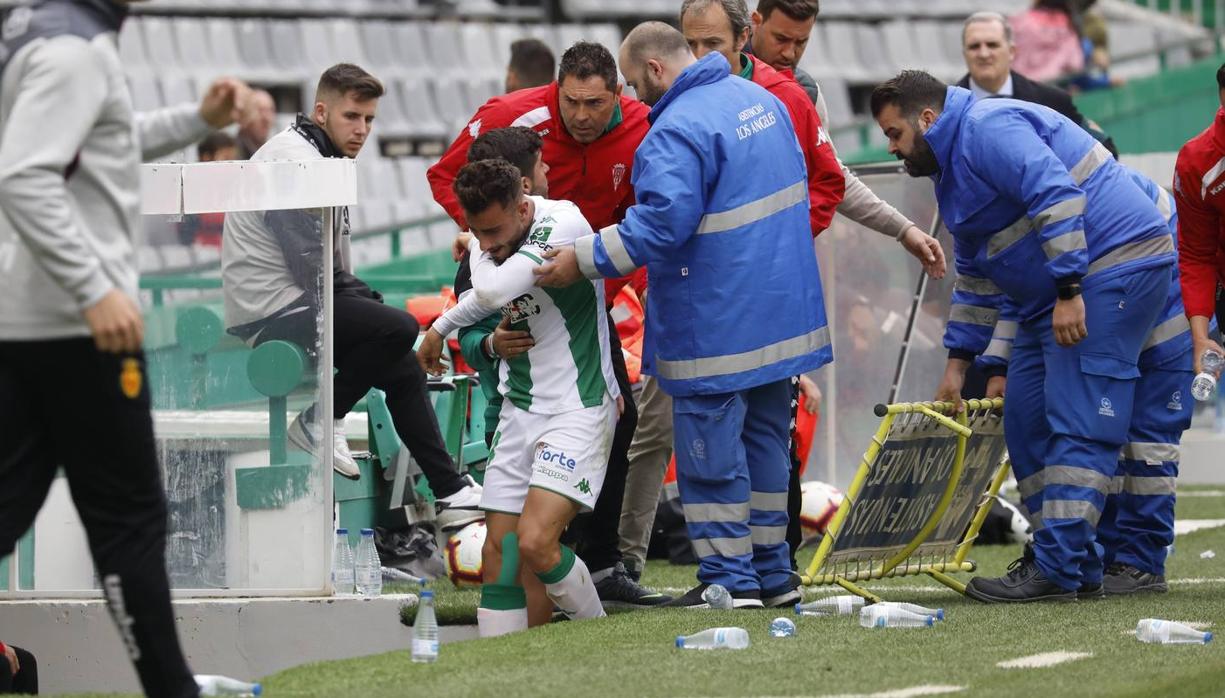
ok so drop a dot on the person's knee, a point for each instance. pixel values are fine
(406, 329)
(539, 550)
(491, 559)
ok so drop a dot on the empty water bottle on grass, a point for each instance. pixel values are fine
(368, 570)
(715, 639)
(225, 686)
(782, 627)
(883, 616)
(716, 596)
(342, 564)
(937, 613)
(843, 605)
(1210, 370)
(1167, 632)
(425, 630)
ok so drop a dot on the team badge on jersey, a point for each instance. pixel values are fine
(618, 174)
(522, 308)
(130, 379)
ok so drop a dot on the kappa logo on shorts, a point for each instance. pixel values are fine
(1107, 409)
(130, 379)
(583, 486)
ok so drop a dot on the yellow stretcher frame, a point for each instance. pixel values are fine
(939, 571)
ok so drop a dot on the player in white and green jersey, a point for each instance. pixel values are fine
(555, 429)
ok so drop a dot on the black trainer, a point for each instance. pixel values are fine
(693, 599)
(1023, 583)
(1123, 579)
(619, 590)
(786, 595)
(1091, 591)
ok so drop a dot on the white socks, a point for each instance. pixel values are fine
(569, 585)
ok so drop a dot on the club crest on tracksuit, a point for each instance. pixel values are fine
(1107, 409)
(1175, 402)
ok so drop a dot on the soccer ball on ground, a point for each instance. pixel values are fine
(820, 503)
(463, 555)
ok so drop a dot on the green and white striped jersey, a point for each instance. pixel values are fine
(570, 366)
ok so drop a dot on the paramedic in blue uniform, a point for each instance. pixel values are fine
(734, 306)
(1051, 233)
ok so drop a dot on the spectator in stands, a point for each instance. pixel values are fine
(531, 65)
(987, 44)
(270, 264)
(1047, 39)
(1095, 41)
(205, 228)
(1052, 235)
(729, 377)
(1199, 194)
(590, 133)
(254, 131)
(70, 324)
(18, 671)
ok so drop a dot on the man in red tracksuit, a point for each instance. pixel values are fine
(590, 132)
(1199, 193)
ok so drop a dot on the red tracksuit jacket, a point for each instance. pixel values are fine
(1199, 193)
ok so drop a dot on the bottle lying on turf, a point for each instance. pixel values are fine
(782, 627)
(882, 616)
(937, 613)
(717, 597)
(843, 605)
(425, 630)
(225, 686)
(715, 639)
(1167, 632)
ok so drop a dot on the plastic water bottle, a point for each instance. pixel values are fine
(843, 605)
(397, 575)
(425, 630)
(717, 597)
(1167, 632)
(882, 616)
(368, 570)
(224, 686)
(342, 564)
(1205, 383)
(782, 627)
(937, 613)
(715, 639)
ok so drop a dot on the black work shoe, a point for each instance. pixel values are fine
(619, 590)
(1124, 579)
(1091, 591)
(1023, 583)
(693, 599)
(786, 595)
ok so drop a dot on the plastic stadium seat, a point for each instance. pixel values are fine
(286, 48)
(480, 91)
(877, 64)
(146, 95)
(952, 46)
(347, 41)
(317, 44)
(377, 39)
(422, 111)
(255, 46)
(224, 42)
(503, 36)
(842, 48)
(481, 57)
(899, 46)
(931, 55)
(1137, 38)
(179, 89)
(816, 59)
(148, 259)
(837, 101)
(191, 37)
(409, 42)
(452, 101)
(391, 118)
(413, 184)
(160, 46)
(132, 46)
(443, 40)
(177, 256)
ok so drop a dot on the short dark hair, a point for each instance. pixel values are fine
(911, 91)
(532, 60)
(587, 59)
(518, 145)
(1220, 77)
(343, 78)
(484, 183)
(799, 10)
(213, 142)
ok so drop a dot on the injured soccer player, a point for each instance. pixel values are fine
(550, 451)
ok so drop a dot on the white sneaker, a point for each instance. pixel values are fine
(306, 435)
(459, 509)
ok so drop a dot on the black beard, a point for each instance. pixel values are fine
(922, 162)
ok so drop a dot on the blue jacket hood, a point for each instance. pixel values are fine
(710, 68)
(942, 133)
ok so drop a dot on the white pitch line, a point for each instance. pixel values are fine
(911, 692)
(1186, 526)
(1039, 661)
(1202, 493)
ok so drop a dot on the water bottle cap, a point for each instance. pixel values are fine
(342, 531)
(939, 614)
(931, 620)
(680, 640)
(257, 689)
(798, 609)
(367, 531)
(1207, 637)
(427, 594)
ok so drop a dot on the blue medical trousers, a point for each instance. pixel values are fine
(732, 467)
(1137, 524)
(1067, 415)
